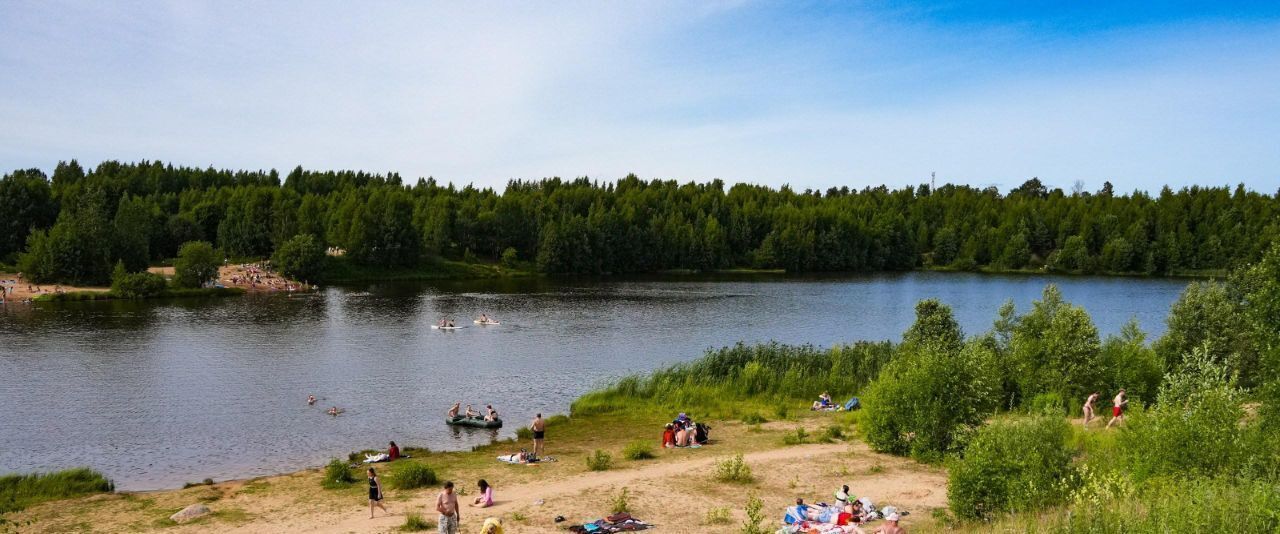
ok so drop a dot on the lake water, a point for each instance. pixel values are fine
(155, 394)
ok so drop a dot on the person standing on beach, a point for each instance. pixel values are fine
(1088, 408)
(375, 493)
(447, 505)
(539, 428)
(1117, 408)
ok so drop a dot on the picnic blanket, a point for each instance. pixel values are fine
(622, 522)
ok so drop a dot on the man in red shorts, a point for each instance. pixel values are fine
(1117, 408)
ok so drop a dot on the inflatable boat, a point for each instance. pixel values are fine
(475, 422)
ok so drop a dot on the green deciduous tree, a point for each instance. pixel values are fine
(197, 264)
(302, 257)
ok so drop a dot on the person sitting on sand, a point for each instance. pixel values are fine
(485, 499)
(311, 400)
(393, 452)
(453, 412)
(823, 402)
(669, 436)
(471, 414)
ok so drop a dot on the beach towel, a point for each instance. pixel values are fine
(375, 458)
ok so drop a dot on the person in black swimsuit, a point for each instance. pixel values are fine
(375, 493)
(539, 428)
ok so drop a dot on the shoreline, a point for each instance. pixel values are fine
(527, 498)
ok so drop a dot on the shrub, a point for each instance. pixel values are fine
(337, 474)
(927, 398)
(1195, 505)
(599, 461)
(718, 516)
(798, 437)
(638, 450)
(413, 522)
(301, 257)
(1194, 428)
(733, 469)
(755, 516)
(1011, 466)
(129, 285)
(196, 264)
(1048, 404)
(509, 257)
(524, 433)
(411, 475)
(618, 503)
(832, 433)
(17, 492)
(754, 418)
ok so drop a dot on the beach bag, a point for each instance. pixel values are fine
(853, 404)
(701, 433)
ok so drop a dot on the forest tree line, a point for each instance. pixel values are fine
(76, 224)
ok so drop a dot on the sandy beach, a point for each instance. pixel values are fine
(251, 278)
(673, 491)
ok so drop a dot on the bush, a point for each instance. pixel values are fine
(832, 433)
(1195, 505)
(17, 492)
(638, 450)
(754, 418)
(755, 516)
(618, 503)
(524, 433)
(509, 258)
(798, 437)
(337, 475)
(599, 461)
(718, 516)
(1011, 466)
(1047, 404)
(733, 469)
(413, 522)
(129, 285)
(196, 264)
(1194, 428)
(412, 475)
(302, 257)
(927, 398)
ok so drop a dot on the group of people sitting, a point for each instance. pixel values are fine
(490, 414)
(843, 516)
(683, 432)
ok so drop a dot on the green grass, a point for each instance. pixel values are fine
(413, 522)
(718, 516)
(733, 469)
(18, 492)
(619, 503)
(638, 450)
(337, 475)
(743, 381)
(599, 461)
(408, 474)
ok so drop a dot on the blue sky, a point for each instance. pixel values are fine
(807, 94)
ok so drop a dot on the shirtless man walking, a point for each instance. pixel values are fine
(447, 505)
(539, 428)
(1117, 408)
(1088, 408)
